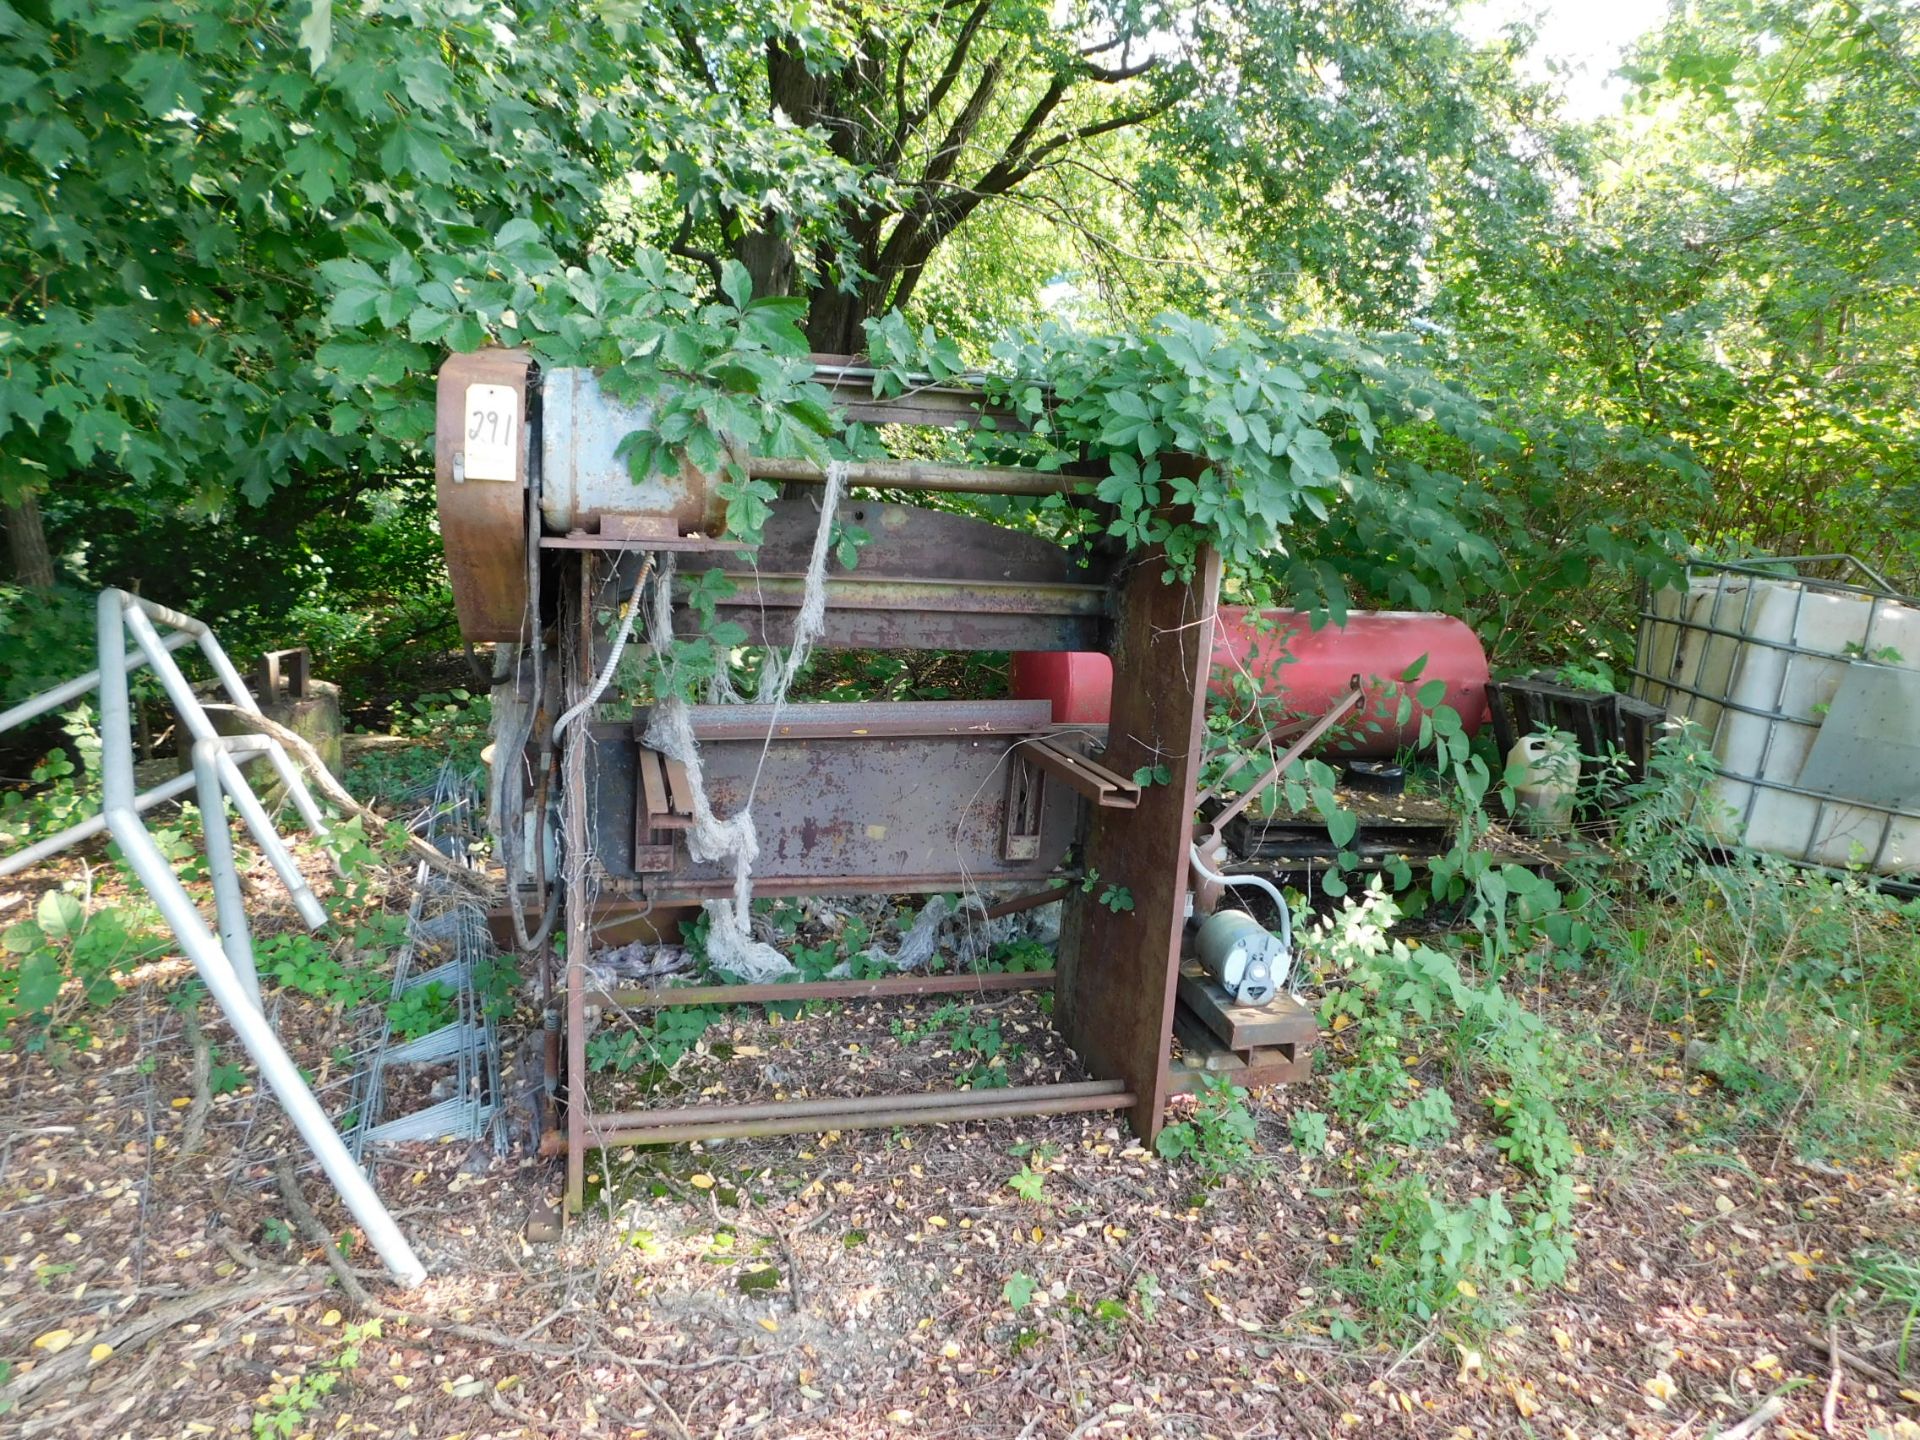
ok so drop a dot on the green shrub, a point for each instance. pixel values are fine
(64, 942)
(1217, 1138)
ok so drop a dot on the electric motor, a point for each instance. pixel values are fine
(1243, 955)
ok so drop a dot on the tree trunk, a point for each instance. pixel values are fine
(32, 561)
(769, 260)
(834, 322)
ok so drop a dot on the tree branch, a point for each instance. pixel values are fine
(910, 120)
(1113, 75)
(689, 40)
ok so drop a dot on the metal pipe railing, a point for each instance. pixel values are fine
(49, 700)
(18, 860)
(226, 966)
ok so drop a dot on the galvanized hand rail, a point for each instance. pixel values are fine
(226, 966)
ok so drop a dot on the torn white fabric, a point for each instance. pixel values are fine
(731, 946)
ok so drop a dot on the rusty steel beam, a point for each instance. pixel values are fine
(660, 997)
(1027, 902)
(578, 904)
(691, 890)
(844, 1105)
(1096, 782)
(1115, 991)
(880, 1113)
(774, 590)
(924, 475)
(864, 720)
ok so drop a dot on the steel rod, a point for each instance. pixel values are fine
(242, 697)
(924, 475)
(93, 825)
(861, 1120)
(261, 825)
(844, 1105)
(60, 694)
(229, 906)
(1027, 902)
(661, 997)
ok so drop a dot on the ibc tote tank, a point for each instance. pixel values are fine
(1308, 669)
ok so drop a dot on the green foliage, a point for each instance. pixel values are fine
(1019, 957)
(1019, 1290)
(1889, 1284)
(1310, 1132)
(719, 378)
(171, 225)
(286, 1409)
(1425, 1255)
(496, 983)
(1029, 1184)
(310, 966)
(421, 1009)
(55, 803)
(660, 1041)
(1738, 275)
(1217, 1137)
(62, 963)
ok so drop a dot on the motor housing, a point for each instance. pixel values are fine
(1242, 954)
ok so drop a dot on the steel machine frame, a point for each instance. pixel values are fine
(896, 799)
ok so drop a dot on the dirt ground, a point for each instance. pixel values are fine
(858, 1285)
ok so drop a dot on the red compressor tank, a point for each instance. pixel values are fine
(1285, 656)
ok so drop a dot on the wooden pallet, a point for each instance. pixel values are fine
(1252, 1045)
(1599, 723)
(1405, 826)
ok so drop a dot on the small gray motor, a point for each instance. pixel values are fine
(1243, 955)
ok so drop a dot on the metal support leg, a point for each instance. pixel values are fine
(260, 826)
(236, 938)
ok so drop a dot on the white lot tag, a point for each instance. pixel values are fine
(491, 435)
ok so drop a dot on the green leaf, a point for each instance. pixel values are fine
(60, 916)
(736, 283)
(165, 81)
(40, 981)
(316, 33)
(1342, 825)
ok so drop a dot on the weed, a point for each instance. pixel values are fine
(1309, 1131)
(1030, 1185)
(1147, 1295)
(1019, 957)
(64, 942)
(1019, 1290)
(225, 1079)
(1889, 1281)
(305, 964)
(421, 1009)
(294, 1398)
(661, 1041)
(1218, 1138)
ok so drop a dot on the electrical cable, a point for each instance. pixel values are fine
(1258, 882)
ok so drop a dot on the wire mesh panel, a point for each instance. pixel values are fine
(457, 1064)
(1768, 659)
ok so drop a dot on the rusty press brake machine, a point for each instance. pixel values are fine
(546, 533)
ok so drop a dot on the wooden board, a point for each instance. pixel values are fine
(1202, 1055)
(1246, 1027)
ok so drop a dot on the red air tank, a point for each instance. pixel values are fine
(1285, 656)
